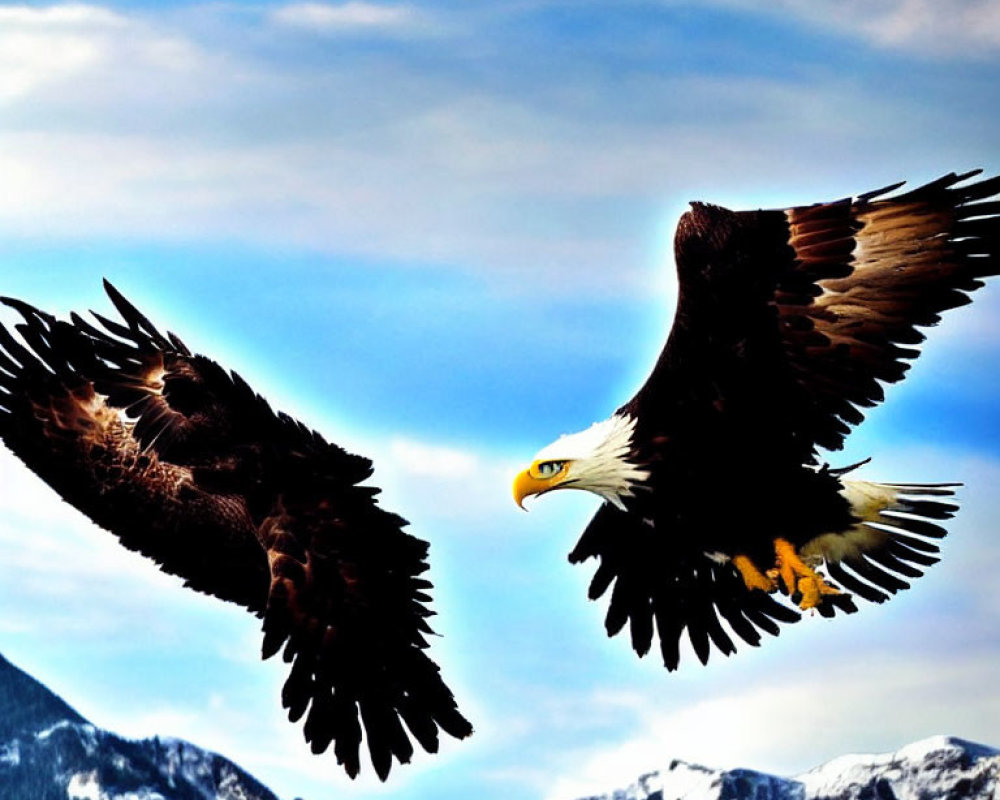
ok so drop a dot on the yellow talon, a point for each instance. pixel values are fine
(796, 575)
(753, 577)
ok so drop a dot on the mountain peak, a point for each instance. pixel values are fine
(27, 706)
(49, 752)
(933, 744)
(939, 766)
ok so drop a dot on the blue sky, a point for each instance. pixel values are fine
(440, 233)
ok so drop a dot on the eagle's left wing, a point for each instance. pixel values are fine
(658, 585)
(183, 462)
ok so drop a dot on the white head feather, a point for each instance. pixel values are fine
(598, 459)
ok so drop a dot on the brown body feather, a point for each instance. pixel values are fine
(184, 463)
(788, 322)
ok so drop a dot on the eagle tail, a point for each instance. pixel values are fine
(892, 538)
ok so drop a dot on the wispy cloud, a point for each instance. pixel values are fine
(434, 485)
(66, 15)
(348, 17)
(44, 45)
(961, 28)
(422, 459)
(70, 52)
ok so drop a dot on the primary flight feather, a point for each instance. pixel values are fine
(787, 323)
(185, 463)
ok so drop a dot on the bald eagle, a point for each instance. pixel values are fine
(787, 322)
(185, 463)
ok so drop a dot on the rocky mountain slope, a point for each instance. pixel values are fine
(49, 752)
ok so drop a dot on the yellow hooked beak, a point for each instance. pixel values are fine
(540, 477)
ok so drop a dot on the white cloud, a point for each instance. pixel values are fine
(957, 28)
(42, 45)
(351, 16)
(954, 28)
(434, 485)
(30, 60)
(420, 459)
(79, 51)
(450, 183)
(57, 16)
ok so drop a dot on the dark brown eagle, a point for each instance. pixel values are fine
(787, 322)
(184, 462)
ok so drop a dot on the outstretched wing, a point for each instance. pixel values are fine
(787, 322)
(183, 462)
(863, 276)
(797, 316)
(98, 458)
(658, 582)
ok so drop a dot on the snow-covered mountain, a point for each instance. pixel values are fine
(939, 768)
(49, 752)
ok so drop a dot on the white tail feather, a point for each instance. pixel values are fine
(895, 528)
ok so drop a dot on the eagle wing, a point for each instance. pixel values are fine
(824, 301)
(863, 276)
(787, 322)
(184, 463)
(658, 583)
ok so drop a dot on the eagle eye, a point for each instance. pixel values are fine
(546, 469)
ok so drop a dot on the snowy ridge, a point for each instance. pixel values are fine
(941, 766)
(49, 752)
(78, 761)
(931, 769)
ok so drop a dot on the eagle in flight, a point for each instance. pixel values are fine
(788, 322)
(185, 463)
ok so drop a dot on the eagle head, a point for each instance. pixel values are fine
(596, 459)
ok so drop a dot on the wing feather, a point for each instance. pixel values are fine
(900, 263)
(65, 431)
(656, 584)
(184, 462)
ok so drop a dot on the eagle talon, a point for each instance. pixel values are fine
(753, 577)
(802, 582)
(775, 575)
